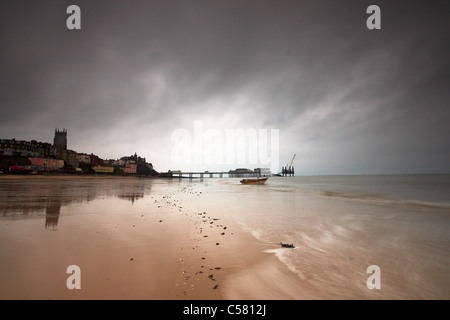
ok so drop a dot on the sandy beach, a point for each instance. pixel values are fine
(175, 245)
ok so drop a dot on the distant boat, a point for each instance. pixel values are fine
(254, 181)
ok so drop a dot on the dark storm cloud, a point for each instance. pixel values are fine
(345, 99)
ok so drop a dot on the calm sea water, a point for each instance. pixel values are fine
(340, 225)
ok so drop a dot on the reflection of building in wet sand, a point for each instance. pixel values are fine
(45, 198)
(131, 196)
(32, 200)
(131, 191)
(52, 212)
(33, 208)
(36, 199)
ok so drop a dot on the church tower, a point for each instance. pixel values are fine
(60, 140)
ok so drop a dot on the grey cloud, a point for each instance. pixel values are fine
(140, 69)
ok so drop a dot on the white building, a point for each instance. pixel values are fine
(263, 172)
(84, 158)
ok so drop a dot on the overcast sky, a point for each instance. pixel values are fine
(344, 99)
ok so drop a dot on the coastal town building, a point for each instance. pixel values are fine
(241, 172)
(109, 162)
(130, 168)
(70, 157)
(263, 172)
(45, 164)
(119, 162)
(83, 158)
(21, 148)
(138, 160)
(103, 169)
(95, 160)
(38, 165)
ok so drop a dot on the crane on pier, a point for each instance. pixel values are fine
(289, 169)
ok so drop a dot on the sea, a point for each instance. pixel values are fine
(345, 227)
(354, 237)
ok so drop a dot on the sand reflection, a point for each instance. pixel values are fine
(44, 198)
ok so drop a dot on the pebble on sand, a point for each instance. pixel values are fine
(211, 277)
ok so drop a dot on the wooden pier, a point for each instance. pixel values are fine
(211, 174)
(179, 174)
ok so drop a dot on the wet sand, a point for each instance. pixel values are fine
(171, 243)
